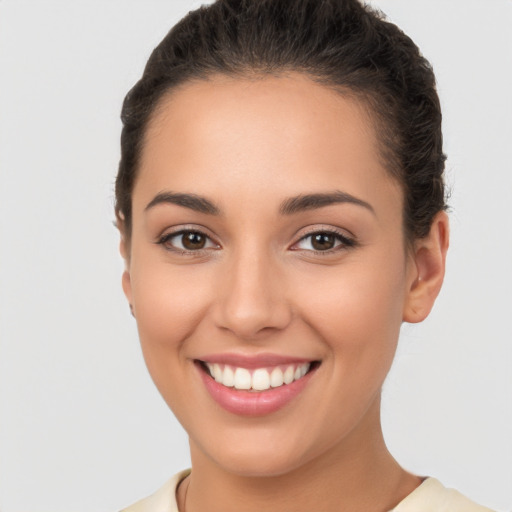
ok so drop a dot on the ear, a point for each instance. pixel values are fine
(127, 288)
(427, 267)
(124, 249)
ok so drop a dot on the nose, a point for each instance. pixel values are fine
(251, 298)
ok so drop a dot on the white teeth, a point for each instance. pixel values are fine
(261, 379)
(242, 379)
(228, 377)
(276, 377)
(289, 375)
(217, 373)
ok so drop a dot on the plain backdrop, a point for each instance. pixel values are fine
(82, 427)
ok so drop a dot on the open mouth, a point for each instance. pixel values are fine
(257, 379)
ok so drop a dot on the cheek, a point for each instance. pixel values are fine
(356, 312)
(169, 303)
(357, 308)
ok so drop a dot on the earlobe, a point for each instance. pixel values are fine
(127, 287)
(125, 254)
(126, 279)
(427, 273)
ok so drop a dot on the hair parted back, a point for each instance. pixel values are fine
(340, 43)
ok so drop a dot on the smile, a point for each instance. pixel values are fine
(255, 386)
(259, 379)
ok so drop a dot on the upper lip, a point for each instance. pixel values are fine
(253, 361)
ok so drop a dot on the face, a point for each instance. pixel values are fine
(267, 242)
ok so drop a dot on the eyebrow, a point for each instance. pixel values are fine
(289, 206)
(191, 201)
(313, 201)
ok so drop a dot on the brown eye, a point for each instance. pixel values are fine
(193, 241)
(323, 241)
(187, 241)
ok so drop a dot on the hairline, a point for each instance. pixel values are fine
(363, 99)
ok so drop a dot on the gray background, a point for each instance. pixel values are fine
(81, 426)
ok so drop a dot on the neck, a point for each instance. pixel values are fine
(357, 475)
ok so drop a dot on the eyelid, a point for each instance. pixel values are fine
(325, 228)
(176, 231)
(348, 240)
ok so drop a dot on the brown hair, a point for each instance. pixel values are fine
(339, 43)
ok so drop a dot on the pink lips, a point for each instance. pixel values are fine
(253, 403)
(251, 362)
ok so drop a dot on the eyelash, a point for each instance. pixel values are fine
(345, 242)
(164, 239)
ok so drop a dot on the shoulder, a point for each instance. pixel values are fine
(163, 500)
(432, 496)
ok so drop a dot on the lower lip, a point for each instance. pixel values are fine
(253, 403)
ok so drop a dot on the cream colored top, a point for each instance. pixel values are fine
(430, 496)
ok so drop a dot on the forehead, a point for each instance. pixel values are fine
(281, 135)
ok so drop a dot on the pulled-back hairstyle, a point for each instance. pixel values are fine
(339, 43)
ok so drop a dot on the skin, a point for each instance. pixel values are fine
(258, 287)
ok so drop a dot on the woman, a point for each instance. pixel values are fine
(281, 206)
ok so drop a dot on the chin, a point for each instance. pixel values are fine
(254, 453)
(259, 465)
